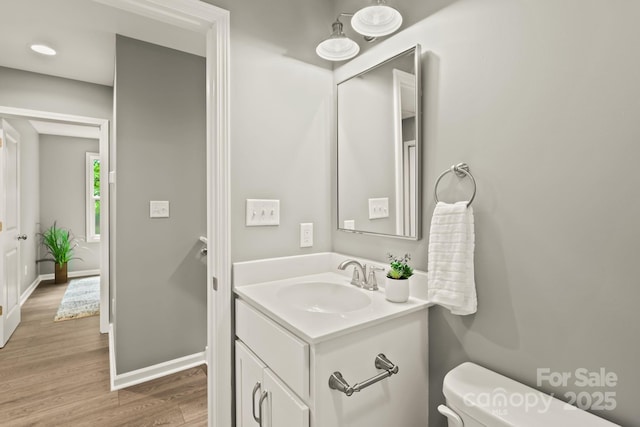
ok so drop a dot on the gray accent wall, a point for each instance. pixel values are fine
(63, 196)
(541, 100)
(160, 276)
(29, 200)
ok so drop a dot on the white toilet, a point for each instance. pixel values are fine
(478, 397)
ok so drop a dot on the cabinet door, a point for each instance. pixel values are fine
(283, 409)
(249, 386)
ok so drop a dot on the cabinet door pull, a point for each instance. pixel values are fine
(253, 403)
(263, 396)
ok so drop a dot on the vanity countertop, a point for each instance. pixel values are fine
(313, 324)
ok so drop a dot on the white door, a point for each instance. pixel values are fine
(9, 231)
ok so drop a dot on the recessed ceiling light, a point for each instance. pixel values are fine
(43, 49)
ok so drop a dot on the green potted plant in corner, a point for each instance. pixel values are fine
(397, 283)
(60, 244)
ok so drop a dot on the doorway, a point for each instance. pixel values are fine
(100, 127)
(212, 25)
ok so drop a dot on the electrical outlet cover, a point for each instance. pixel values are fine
(306, 234)
(158, 209)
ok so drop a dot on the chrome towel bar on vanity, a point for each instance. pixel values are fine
(337, 381)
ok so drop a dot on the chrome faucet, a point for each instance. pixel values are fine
(360, 277)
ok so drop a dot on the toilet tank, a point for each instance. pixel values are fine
(478, 397)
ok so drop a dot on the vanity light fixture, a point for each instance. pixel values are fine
(376, 20)
(43, 49)
(373, 21)
(338, 47)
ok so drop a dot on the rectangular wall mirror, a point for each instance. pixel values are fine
(379, 149)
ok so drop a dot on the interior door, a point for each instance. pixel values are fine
(9, 229)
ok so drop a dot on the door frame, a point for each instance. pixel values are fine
(103, 129)
(401, 80)
(214, 24)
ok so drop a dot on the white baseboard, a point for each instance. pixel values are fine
(128, 379)
(27, 293)
(72, 274)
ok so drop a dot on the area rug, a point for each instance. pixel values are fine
(81, 299)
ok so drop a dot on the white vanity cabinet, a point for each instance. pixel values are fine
(294, 370)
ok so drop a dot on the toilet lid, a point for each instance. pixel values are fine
(496, 400)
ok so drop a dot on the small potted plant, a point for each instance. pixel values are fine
(397, 284)
(60, 244)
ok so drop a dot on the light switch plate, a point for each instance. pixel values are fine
(158, 209)
(379, 208)
(262, 212)
(306, 234)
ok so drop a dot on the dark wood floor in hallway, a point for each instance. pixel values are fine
(57, 374)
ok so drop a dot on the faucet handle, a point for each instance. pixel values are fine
(355, 278)
(371, 280)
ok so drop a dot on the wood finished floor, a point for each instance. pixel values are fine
(57, 374)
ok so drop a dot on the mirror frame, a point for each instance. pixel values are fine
(417, 53)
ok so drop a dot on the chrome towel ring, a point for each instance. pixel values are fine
(462, 170)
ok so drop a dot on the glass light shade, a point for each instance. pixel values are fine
(43, 49)
(377, 20)
(338, 48)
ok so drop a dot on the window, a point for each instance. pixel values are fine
(93, 197)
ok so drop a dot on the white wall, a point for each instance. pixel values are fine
(542, 100)
(63, 196)
(29, 200)
(23, 89)
(281, 110)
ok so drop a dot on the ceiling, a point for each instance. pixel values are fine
(83, 32)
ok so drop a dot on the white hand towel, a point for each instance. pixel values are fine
(450, 275)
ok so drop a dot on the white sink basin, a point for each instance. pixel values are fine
(321, 297)
(320, 306)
